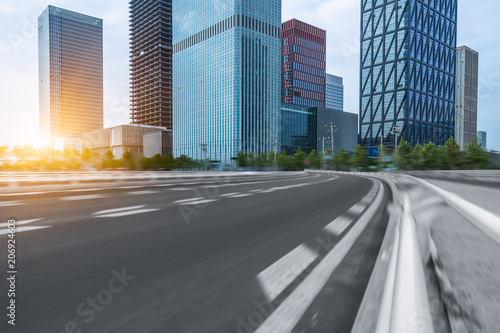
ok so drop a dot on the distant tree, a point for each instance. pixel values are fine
(314, 160)
(429, 156)
(242, 160)
(170, 162)
(475, 156)
(417, 157)
(270, 158)
(86, 155)
(260, 161)
(109, 155)
(298, 160)
(451, 154)
(360, 159)
(404, 151)
(67, 153)
(342, 160)
(127, 155)
(251, 159)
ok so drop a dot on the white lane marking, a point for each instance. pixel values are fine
(357, 209)
(274, 279)
(338, 226)
(87, 190)
(11, 203)
(4, 225)
(181, 189)
(163, 185)
(115, 210)
(188, 200)
(242, 195)
(129, 187)
(22, 229)
(257, 191)
(199, 202)
(367, 200)
(291, 310)
(142, 192)
(21, 194)
(229, 194)
(130, 212)
(83, 197)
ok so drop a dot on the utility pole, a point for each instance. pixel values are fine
(395, 131)
(275, 144)
(332, 129)
(204, 148)
(323, 139)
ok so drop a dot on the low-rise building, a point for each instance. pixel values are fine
(130, 137)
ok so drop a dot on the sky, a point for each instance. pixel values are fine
(478, 28)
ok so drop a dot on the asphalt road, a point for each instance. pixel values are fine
(201, 255)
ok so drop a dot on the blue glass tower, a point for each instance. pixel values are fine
(408, 50)
(226, 77)
(70, 59)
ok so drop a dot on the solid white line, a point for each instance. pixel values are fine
(197, 202)
(242, 195)
(188, 200)
(357, 209)
(163, 185)
(4, 225)
(21, 194)
(22, 229)
(87, 190)
(338, 226)
(142, 192)
(229, 194)
(129, 187)
(115, 210)
(11, 203)
(287, 315)
(127, 213)
(83, 197)
(274, 279)
(181, 189)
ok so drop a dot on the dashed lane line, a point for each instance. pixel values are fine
(83, 197)
(4, 225)
(338, 226)
(143, 192)
(274, 279)
(129, 212)
(116, 210)
(11, 203)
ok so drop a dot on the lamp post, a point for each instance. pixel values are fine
(332, 129)
(275, 144)
(395, 131)
(204, 148)
(323, 140)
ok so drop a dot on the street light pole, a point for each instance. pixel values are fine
(275, 145)
(204, 148)
(332, 130)
(395, 130)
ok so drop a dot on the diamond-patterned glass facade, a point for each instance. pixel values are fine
(407, 70)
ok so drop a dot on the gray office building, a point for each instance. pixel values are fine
(70, 74)
(482, 139)
(301, 127)
(466, 95)
(334, 92)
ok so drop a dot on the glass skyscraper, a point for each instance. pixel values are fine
(303, 64)
(467, 89)
(151, 62)
(334, 96)
(70, 74)
(226, 74)
(408, 52)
